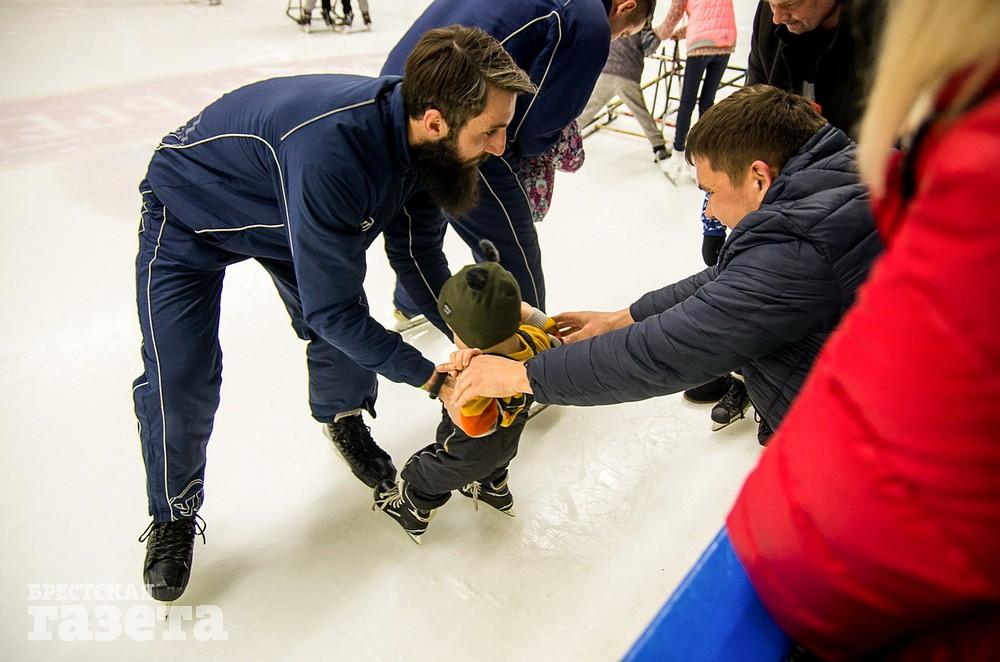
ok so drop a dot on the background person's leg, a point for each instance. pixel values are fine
(604, 90)
(714, 70)
(631, 94)
(693, 70)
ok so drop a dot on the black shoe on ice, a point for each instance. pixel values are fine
(169, 552)
(352, 439)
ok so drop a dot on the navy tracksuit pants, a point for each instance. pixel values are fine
(503, 217)
(179, 278)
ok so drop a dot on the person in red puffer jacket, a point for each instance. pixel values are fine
(871, 525)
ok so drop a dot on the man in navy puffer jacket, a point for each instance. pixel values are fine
(802, 243)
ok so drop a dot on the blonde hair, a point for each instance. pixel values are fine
(925, 44)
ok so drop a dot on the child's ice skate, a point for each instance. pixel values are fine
(495, 495)
(393, 500)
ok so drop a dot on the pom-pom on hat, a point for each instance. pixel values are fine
(482, 302)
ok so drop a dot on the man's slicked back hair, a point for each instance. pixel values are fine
(452, 70)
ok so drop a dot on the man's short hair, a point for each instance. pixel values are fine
(452, 70)
(756, 122)
(644, 11)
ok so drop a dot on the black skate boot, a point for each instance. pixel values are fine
(709, 392)
(764, 431)
(353, 440)
(346, 22)
(732, 407)
(169, 551)
(496, 495)
(367, 19)
(392, 499)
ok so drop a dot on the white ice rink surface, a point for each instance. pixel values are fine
(614, 503)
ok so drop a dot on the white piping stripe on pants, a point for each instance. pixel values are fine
(517, 241)
(415, 263)
(156, 356)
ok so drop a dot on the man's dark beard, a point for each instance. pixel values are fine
(452, 183)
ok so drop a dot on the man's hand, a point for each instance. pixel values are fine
(492, 377)
(580, 325)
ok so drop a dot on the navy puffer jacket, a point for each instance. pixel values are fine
(785, 276)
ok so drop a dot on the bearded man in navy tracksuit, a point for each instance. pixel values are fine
(563, 45)
(302, 174)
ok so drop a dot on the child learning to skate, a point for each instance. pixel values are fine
(482, 306)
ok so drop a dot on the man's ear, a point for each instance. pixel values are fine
(762, 177)
(434, 125)
(623, 7)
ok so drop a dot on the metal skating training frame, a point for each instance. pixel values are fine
(669, 68)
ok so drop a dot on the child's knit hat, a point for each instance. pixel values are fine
(482, 302)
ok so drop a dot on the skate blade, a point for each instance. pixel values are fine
(536, 409)
(408, 325)
(412, 537)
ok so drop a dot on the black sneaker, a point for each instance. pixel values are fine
(393, 500)
(353, 440)
(732, 407)
(711, 392)
(498, 496)
(169, 551)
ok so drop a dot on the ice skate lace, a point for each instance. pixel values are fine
(392, 497)
(473, 490)
(172, 540)
(349, 441)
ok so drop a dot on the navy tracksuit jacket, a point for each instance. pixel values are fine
(301, 174)
(562, 45)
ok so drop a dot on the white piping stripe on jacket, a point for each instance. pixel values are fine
(156, 356)
(245, 227)
(538, 90)
(510, 224)
(277, 164)
(415, 263)
(326, 114)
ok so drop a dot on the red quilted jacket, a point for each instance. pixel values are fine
(873, 518)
